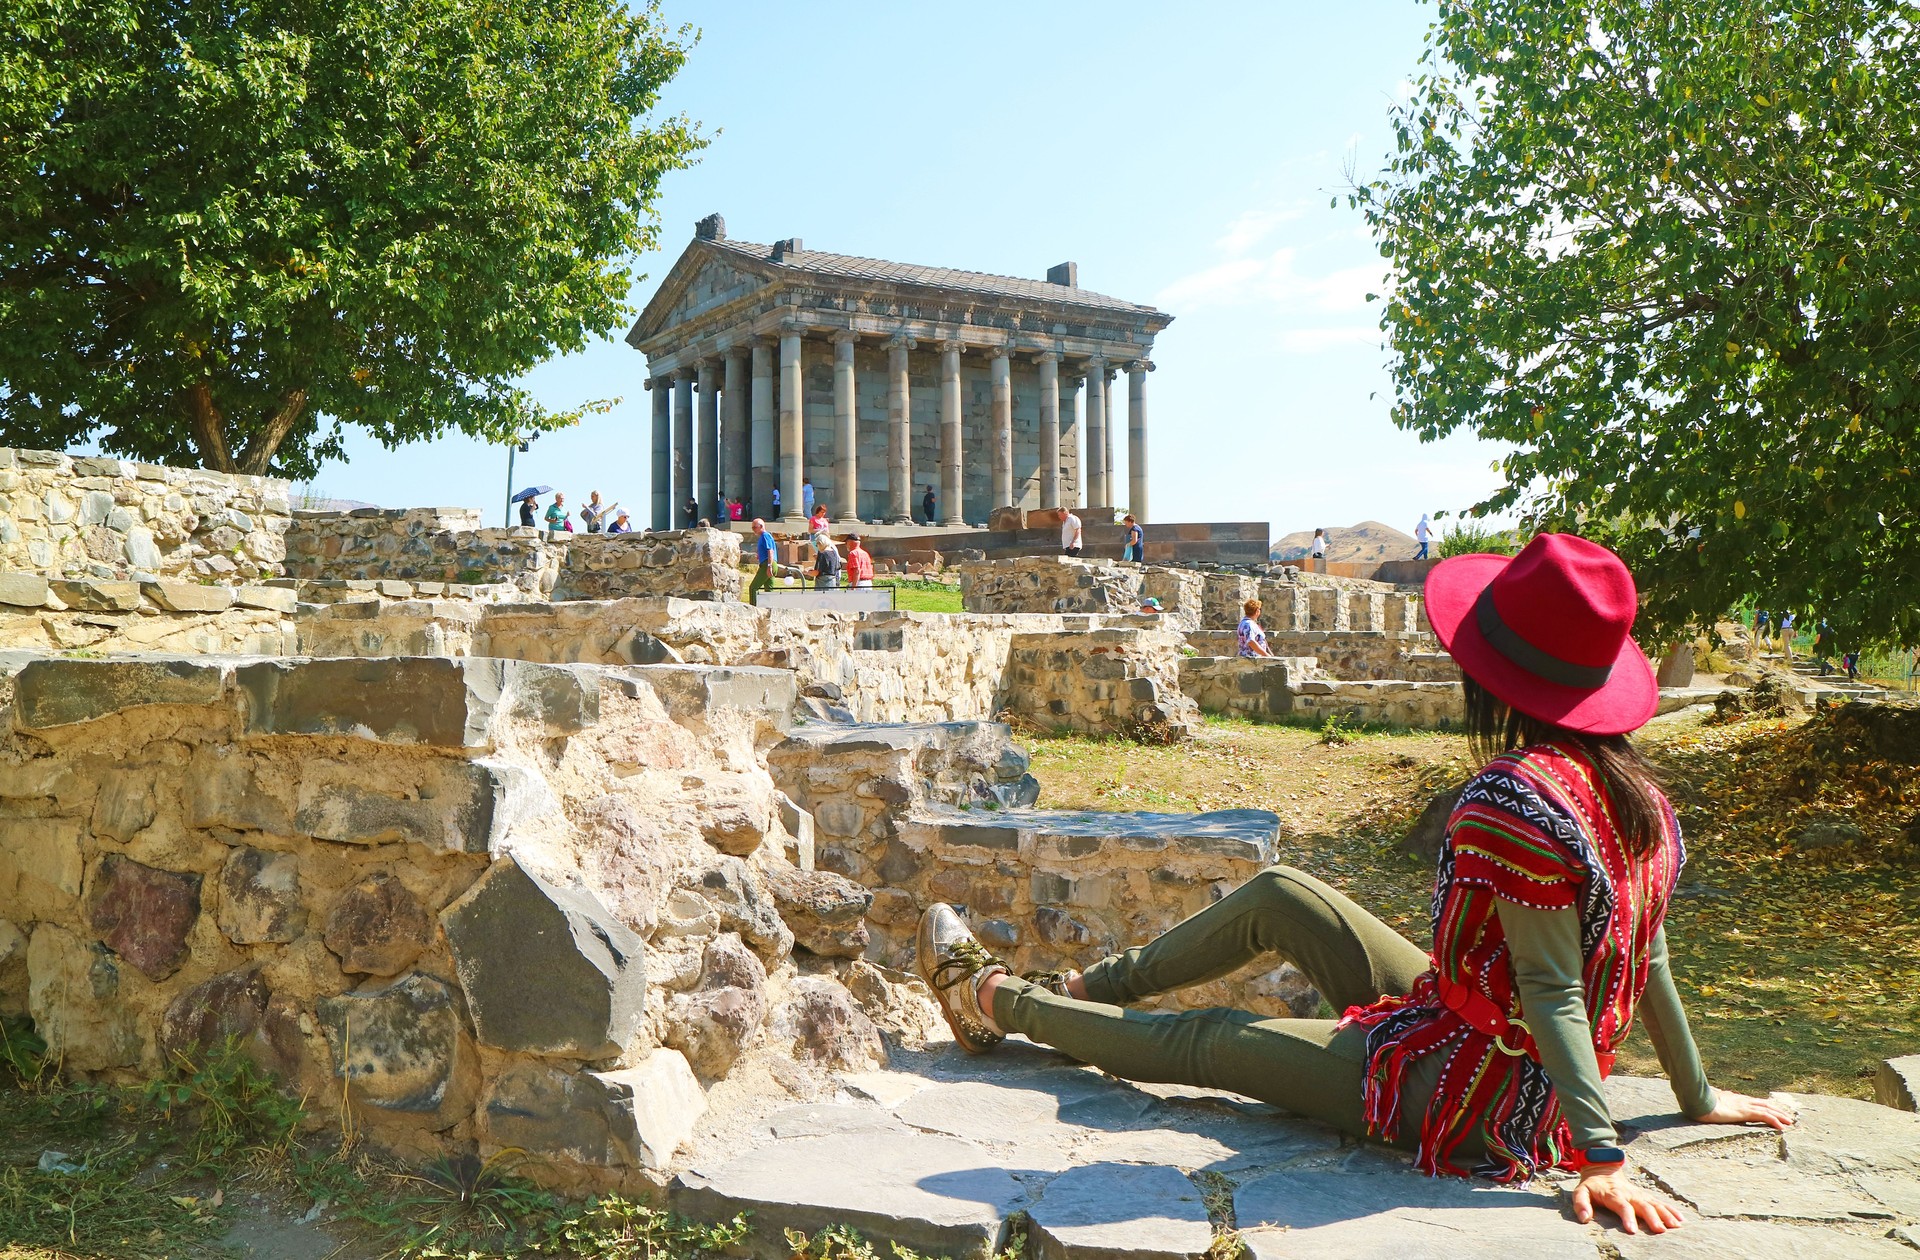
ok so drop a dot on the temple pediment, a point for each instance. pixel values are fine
(700, 281)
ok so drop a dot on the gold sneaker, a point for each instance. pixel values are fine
(949, 959)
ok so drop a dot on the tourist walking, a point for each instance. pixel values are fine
(1070, 534)
(1251, 638)
(926, 505)
(1762, 629)
(1135, 548)
(859, 563)
(806, 497)
(826, 563)
(692, 512)
(1786, 638)
(1487, 1055)
(1422, 534)
(1318, 550)
(763, 554)
(591, 515)
(557, 521)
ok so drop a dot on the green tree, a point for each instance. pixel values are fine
(227, 230)
(1665, 249)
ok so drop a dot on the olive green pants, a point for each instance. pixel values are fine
(1305, 1066)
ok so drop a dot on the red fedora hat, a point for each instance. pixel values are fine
(1547, 631)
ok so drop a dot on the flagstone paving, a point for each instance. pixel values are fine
(949, 1154)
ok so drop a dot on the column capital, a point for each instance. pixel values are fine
(1047, 356)
(902, 341)
(1001, 352)
(1140, 365)
(792, 326)
(1096, 363)
(949, 346)
(845, 337)
(766, 340)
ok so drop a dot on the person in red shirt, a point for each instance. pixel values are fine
(859, 562)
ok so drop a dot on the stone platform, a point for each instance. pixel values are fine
(944, 1153)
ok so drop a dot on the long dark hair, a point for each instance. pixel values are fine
(1629, 782)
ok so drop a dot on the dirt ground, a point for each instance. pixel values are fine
(1799, 956)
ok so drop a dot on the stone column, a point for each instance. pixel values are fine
(662, 387)
(792, 430)
(1094, 474)
(846, 434)
(899, 431)
(709, 472)
(1002, 367)
(762, 476)
(1073, 485)
(736, 450)
(1106, 438)
(682, 446)
(952, 511)
(1049, 430)
(1137, 437)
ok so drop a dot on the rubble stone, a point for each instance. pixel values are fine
(13, 969)
(143, 913)
(546, 970)
(235, 1005)
(74, 995)
(636, 1117)
(398, 1045)
(1896, 1083)
(260, 898)
(825, 911)
(824, 1025)
(723, 1015)
(377, 927)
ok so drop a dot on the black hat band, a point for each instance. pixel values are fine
(1543, 664)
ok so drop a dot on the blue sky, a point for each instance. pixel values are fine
(1183, 155)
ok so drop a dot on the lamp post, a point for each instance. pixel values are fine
(518, 445)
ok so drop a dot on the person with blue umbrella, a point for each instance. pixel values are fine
(527, 501)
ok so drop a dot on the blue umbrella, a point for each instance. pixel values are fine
(531, 492)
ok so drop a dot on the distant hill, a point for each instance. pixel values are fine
(1368, 541)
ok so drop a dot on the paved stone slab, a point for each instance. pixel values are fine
(821, 1119)
(1402, 1217)
(1119, 1212)
(889, 1089)
(1852, 1134)
(1649, 1119)
(1766, 1191)
(1896, 1083)
(930, 1193)
(988, 1111)
(1722, 1240)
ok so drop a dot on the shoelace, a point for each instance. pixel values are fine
(964, 958)
(1052, 981)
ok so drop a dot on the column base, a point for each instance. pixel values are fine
(794, 520)
(955, 522)
(848, 522)
(903, 519)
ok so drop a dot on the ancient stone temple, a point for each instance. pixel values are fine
(877, 379)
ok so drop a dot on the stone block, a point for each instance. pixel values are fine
(635, 1118)
(1719, 1240)
(377, 927)
(1896, 1083)
(61, 692)
(224, 790)
(260, 898)
(23, 590)
(143, 913)
(546, 970)
(1326, 1212)
(723, 1015)
(1113, 1211)
(450, 703)
(73, 994)
(99, 596)
(399, 1046)
(271, 598)
(188, 597)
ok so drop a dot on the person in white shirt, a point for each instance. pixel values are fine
(1318, 551)
(1422, 534)
(1070, 534)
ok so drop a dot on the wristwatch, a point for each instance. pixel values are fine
(1602, 1157)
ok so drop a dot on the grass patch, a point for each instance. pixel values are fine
(912, 595)
(1801, 970)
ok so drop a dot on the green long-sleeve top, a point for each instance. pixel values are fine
(1547, 962)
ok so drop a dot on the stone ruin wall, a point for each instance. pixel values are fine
(106, 615)
(446, 552)
(515, 905)
(76, 516)
(1101, 682)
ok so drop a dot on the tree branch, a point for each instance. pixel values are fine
(204, 419)
(257, 457)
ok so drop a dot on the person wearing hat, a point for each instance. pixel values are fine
(1151, 605)
(1485, 1057)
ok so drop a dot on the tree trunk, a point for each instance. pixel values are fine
(203, 418)
(256, 457)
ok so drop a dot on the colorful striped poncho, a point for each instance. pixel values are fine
(1532, 828)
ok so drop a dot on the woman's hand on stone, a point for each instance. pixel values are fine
(1610, 1189)
(1732, 1108)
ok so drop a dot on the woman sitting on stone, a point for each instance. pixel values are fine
(1560, 856)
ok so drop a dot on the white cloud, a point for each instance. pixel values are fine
(1317, 340)
(1255, 226)
(1274, 280)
